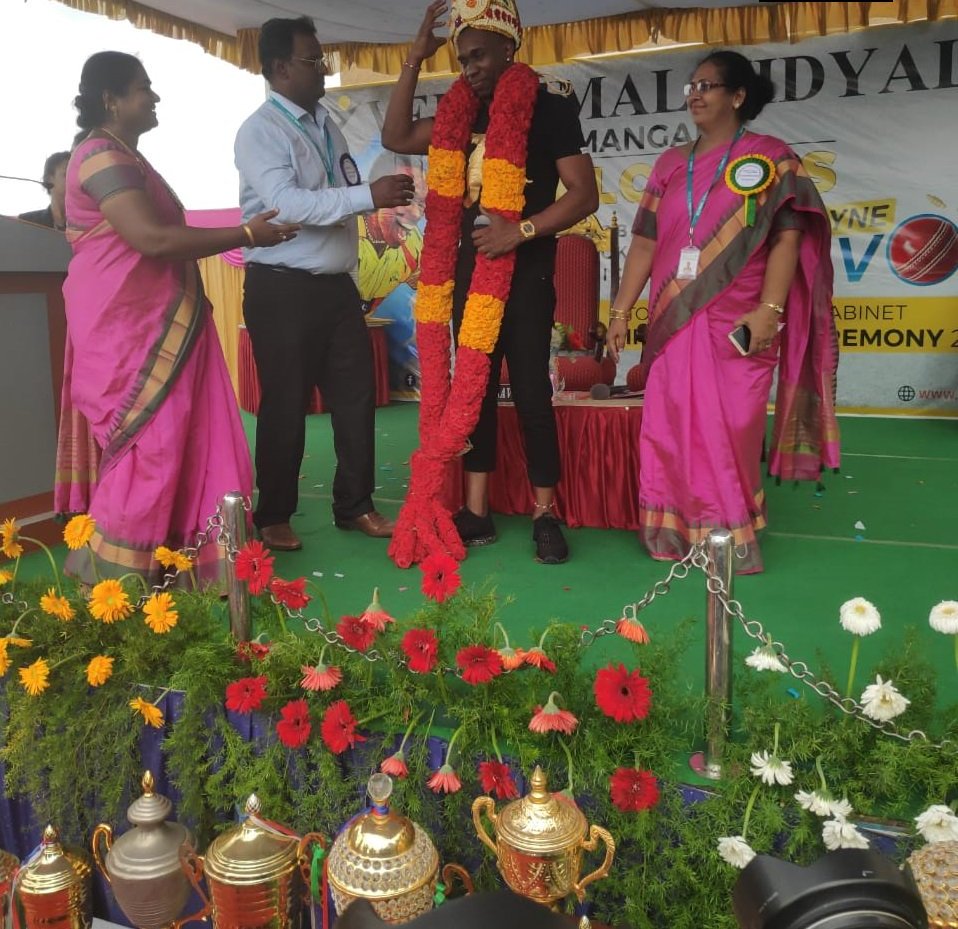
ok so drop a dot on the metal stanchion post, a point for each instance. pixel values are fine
(234, 521)
(718, 656)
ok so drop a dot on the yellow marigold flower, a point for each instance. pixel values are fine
(78, 531)
(434, 303)
(4, 658)
(5, 577)
(182, 561)
(56, 605)
(447, 172)
(152, 715)
(480, 323)
(19, 641)
(165, 556)
(503, 185)
(109, 602)
(99, 670)
(35, 677)
(8, 539)
(160, 615)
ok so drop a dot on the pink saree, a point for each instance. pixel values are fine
(704, 416)
(150, 433)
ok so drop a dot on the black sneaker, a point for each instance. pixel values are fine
(474, 530)
(551, 546)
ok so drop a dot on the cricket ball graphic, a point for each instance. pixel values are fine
(923, 250)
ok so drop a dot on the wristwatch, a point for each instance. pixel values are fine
(527, 229)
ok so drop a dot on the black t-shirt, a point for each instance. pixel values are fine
(555, 132)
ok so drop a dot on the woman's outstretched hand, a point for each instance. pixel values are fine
(266, 233)
(427, 43)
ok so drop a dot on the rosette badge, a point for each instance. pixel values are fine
(748, 176)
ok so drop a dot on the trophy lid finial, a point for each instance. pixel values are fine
(147, 783)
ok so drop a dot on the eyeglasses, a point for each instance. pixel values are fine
(320, 64)
(700, 87)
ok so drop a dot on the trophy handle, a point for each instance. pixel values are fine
(590, 845)
(305, 864)
(453, 872)
(104, 832)
(488, 806)
(192, 866)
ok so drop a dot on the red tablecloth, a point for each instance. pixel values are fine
(599, 444)
(249, 389)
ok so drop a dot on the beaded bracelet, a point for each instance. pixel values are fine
(411, 66)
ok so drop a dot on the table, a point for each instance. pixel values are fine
(599, 447)
(249, 387)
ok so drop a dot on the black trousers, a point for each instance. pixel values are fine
(309, 330)
(524, 339)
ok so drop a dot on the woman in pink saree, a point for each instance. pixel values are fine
(150, 433)
(732, 232)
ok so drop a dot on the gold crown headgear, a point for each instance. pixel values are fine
(492, 15)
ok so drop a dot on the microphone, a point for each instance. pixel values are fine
(605, 391)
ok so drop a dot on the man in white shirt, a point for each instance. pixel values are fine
(301, 305)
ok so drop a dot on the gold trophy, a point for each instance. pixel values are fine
(388, 860)
(257, 874)
(54, 887)
(8, 870)
(539, 843)
(143, 865)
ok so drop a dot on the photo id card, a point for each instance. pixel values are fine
(688, 263)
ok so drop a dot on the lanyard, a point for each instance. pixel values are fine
(694, 217)
(327, 157)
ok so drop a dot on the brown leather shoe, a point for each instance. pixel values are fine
(280, 537)
(372, 523)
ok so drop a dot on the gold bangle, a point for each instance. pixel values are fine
(249, 235)
(773, 306)
(624, 315)
(411, 66)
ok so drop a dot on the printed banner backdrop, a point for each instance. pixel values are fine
(872, 116)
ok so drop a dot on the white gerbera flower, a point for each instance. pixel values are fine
(841, 809)
(818, 802)
(882, 701)
(735, 850)
(938, 824)
(839, 833)
(944, 617)
(765, 658)
(859, 617)
(771, 769)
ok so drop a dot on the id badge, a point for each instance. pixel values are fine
(688, 263)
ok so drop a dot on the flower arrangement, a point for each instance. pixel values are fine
(450, 706)
(565, 339)
(449, 410)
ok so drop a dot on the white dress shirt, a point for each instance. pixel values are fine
(299, 163)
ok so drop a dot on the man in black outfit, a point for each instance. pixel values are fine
(55, 181)
(486, 44)
(301, 305)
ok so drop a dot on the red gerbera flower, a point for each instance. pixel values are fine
(292, 594)
(512, 658)
(445, 780)
(375, 615)
(356, 632)
(294, 728)
(479, 664)
(247, 651)
(539, 659)
(338, 728)
(623, 695)
(254, 564)
(550, 718)
(320, 677)
(421, 648)
(246, 694)
(395, 765)
(440, 576)
(633, 790)
(496, 778)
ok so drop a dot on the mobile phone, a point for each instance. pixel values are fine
(741, 338)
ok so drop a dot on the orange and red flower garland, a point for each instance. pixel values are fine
(449, 410)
